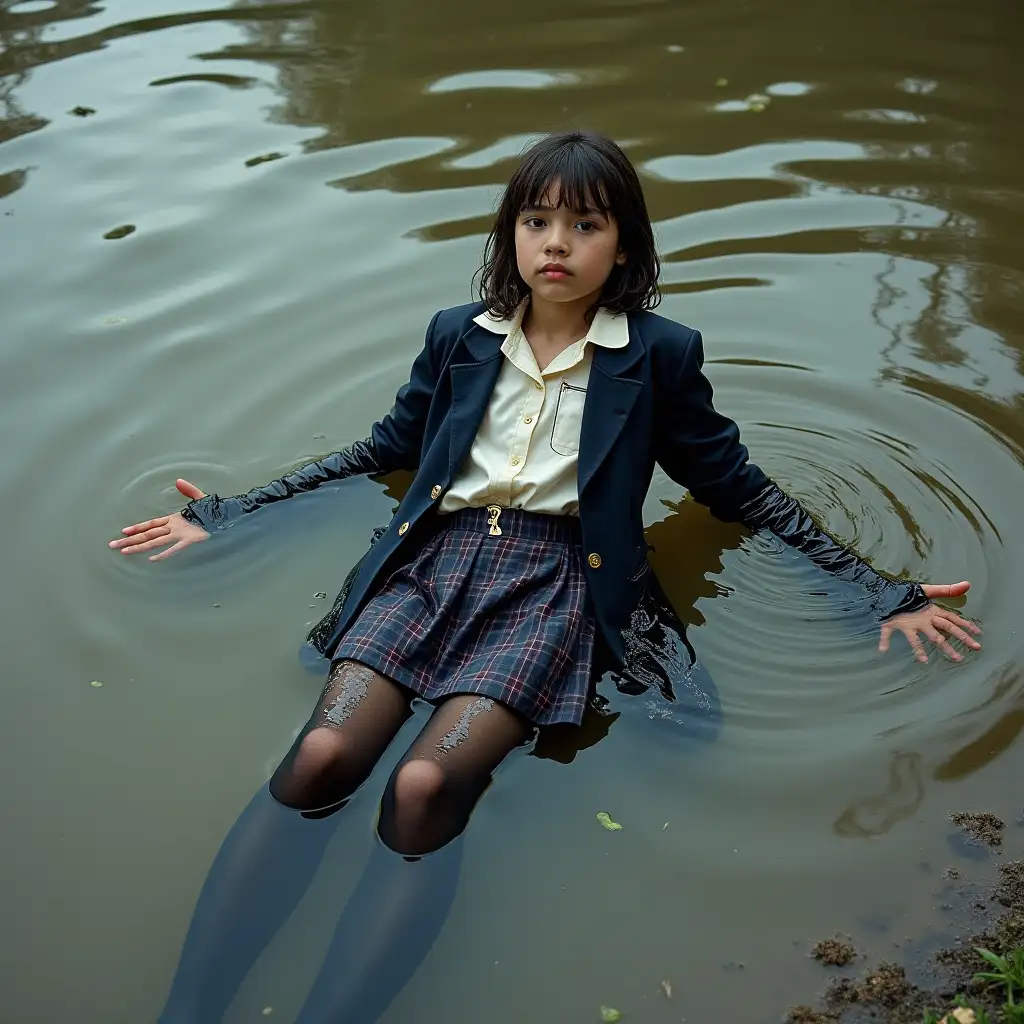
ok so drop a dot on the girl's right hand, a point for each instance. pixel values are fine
(157, 533)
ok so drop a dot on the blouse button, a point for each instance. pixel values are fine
(435, 492)
(403, 529)
(539, 387)
(594, 559)
(529, 419)
(515, 462)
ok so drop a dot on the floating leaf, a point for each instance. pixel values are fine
(609, 1014)
(757, 101)
(613, 826)
(82, 111)
(116, 320)
(666, 987)
(96, 684)
(665, 826)
(320, 595)
(255, 161)
(120, 232)
(267, 1011)
(722, 82)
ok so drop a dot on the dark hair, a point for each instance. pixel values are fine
(590, 170)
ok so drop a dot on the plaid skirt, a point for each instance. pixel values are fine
(500, 615)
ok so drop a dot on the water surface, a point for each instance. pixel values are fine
(837, 196)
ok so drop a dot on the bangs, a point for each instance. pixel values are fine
(575, 174)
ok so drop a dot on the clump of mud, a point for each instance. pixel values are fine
(980, 826)
(885, 993)
(834, 952)
(807, 1015)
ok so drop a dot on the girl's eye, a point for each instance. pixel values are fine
(585, 226)
(533, 222)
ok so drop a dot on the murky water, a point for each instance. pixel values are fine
(851, 243)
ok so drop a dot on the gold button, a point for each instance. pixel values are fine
(435, 492)
(539, 387)
(515, 462)
(404, 527)
(594, 559)
(529, 419)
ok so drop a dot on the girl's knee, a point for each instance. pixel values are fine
(415, 818)
(418, 785)
(314, 772)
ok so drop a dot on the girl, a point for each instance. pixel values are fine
(513, 574)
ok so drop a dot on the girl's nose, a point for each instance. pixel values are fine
(556, 244)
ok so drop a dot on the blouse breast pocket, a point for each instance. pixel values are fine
(565, 431)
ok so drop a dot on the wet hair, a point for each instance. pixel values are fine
(590, 171)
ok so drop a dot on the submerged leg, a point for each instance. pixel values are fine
(273, 850)
(400, 903)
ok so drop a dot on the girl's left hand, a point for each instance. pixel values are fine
(929, 620)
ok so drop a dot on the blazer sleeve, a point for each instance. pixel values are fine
(698, 447)
(701, 450)
(394, 443)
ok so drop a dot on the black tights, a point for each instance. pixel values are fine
(271, 853)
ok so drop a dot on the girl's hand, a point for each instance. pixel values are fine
(157, 533)
(929, 620)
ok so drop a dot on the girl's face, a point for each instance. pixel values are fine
(563, 255)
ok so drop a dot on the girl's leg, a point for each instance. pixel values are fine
(401, 901)
(271, 853)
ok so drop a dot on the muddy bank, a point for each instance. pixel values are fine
(935, 970)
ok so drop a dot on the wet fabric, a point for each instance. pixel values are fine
(785, 517)
(213, 512)
(500, 616)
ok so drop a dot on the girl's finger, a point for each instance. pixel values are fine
(883, 641)
(147, 525)
(127, 542)
(959, 620)
(916, 644)
(945, 589)
(170, 551)
(943, 644)
(138, 549)
(189, 490)
(941, 622)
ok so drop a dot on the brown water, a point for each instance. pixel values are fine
(852, 247)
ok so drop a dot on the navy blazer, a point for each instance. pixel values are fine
(646, 403)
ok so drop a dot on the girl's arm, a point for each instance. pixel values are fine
(394, 443)
(213, 512)
(701, 450)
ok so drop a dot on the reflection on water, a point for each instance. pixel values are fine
(837, 196)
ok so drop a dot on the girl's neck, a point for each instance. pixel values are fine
(558, 322)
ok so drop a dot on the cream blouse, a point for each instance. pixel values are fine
(526, 451)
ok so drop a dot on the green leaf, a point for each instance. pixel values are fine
(96, 684)
(987, 955)
(609, 1014)
(613, 826)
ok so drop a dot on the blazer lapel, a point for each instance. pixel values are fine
(611, 392)
(472, 383)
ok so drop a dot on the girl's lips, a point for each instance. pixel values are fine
(554, 275)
